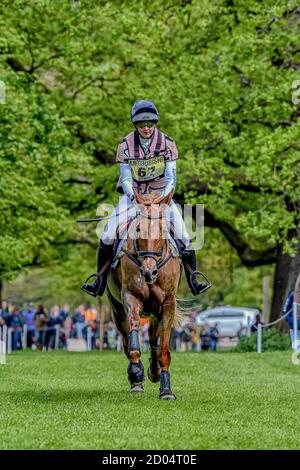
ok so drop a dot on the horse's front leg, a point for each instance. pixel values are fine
(133, 307)
(164, 355)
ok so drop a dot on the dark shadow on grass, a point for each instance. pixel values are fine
(78, 396)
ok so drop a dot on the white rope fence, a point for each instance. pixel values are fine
(260, 327)
(6, 339)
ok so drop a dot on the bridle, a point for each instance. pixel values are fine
(137, 257)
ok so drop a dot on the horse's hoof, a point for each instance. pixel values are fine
(153, 377)
(136, 388)
(167, 396)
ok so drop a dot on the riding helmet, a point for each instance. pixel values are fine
(144, 110)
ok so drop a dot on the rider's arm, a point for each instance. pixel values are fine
(170, 176)
(126, 180)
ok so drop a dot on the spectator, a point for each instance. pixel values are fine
(79, 321)
(68, 325)
(257, 322)
(288, 307)
(111, 335)
(178, 332)
(196, 337)
(28, 317)
(186, 340)
(205, 337)
(64, 313)
(4, 314)
(15, 323)
(53, 324)
(91, 319)
(214, 337)
(40, 319)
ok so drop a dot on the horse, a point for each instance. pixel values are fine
(145, 281)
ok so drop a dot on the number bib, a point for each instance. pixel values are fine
(147, 170)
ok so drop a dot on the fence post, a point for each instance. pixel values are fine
(259, 337)
(9, 340)
(56, 338)
(89, 338)
(24, 337)
(4, 336)
(266, 299)
(2, 347)
(295, 326)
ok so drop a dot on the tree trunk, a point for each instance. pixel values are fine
(286, 273)
(266, 299)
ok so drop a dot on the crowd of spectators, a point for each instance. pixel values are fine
(44, 328)
(47, 330)
(193, 337)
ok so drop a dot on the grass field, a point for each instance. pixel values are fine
(63, 400)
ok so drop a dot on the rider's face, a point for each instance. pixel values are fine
(146, 131)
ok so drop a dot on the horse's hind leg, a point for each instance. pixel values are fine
(136, 376)
(164, 356)
(154, 368)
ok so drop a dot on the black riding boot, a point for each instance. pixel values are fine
(190, 267)
(104, 256)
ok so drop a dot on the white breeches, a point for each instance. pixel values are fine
(126, 210)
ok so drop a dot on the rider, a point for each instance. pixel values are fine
(147, 160)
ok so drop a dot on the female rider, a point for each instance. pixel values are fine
(147, 160)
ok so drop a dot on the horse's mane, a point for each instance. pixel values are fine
(151, 198)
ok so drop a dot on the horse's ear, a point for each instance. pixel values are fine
(168, 198)
(138, 197)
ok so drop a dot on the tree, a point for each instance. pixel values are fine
(222, 74)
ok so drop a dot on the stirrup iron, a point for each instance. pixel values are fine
(199, 273)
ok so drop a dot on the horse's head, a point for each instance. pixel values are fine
(152, 232)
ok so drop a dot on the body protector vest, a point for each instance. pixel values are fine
(147, 169)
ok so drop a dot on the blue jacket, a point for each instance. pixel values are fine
(28, 316)
(288, 306)
(15, 320)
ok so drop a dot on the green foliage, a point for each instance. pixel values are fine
(272, 340)
(221, 74)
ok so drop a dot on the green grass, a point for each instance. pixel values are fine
(63, 400)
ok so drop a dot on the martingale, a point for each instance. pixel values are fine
(147, 170)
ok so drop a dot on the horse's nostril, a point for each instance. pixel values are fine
(154, 273)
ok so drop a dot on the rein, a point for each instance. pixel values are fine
(135, 257)
(98, 219)
(138, 212)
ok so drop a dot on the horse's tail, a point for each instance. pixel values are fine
(183, 310)
(180, 315)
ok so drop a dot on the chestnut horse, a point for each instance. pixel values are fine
(145, 282)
